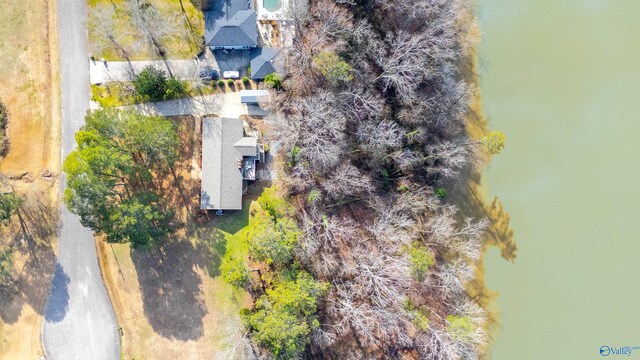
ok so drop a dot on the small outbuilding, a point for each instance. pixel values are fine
(253, 96)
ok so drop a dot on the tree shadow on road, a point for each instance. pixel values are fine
(58, 301)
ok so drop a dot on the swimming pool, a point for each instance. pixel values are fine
(272, 5)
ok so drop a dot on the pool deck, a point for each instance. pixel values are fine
(278, 15)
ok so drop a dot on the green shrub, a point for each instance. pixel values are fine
(221, 83)
(274, 81)
(273, 240)
(334, 69)
(175, 88)
(293, 156)
(421, 259)
(313, 196)
(230, 82)
(9, 204)
(494, 141)
(403, 188)
(461, 327)
(274, 204)
(234, 271)
(151, 84)
(441, 193)
(245, 80)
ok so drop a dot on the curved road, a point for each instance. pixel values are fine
(79, 318)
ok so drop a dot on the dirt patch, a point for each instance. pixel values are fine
(29, 89)
(170, 300)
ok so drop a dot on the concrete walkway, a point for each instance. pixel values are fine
(224, 105)
(79, 319)
(101, 72)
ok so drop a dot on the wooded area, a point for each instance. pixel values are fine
(372, 122)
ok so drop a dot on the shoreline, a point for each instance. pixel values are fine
(472, 201)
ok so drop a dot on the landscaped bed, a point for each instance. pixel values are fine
(115, 94)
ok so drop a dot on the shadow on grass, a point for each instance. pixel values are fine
(170, 273)
(171, 287)
(34, 259)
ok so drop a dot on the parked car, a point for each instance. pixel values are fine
(209, 74)
(231, 74)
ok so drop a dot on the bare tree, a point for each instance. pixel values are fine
(406, 65)
(347, 181)
(378, 139)
(104, 24)
(237, 344)
(402, 115)
(153, 27)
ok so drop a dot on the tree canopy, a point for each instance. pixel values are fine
(110, 176)
(334, 69)
(151, 83)
(273, 80)
(283, 318)
(274, 236)
(9, 204)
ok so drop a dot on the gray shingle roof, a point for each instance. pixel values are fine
(221, 178)
(231, 23)
(263, 62)
(247, 146)
(253, 96)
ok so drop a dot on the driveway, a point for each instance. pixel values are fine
(224, 105)
(107, 71)
(221, 60)
(79, 319)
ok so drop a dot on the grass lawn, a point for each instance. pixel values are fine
(170, 300)
(180, 14)
(121, 94)
(29, 89)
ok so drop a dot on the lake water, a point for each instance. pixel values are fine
(562, 79)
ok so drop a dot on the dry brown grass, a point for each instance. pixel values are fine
(170, 300)
(184, 46)
(28, 87)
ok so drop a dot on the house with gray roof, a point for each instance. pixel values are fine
(263, 62)
(230, 24)
(229, 160)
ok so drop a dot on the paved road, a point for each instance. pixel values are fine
(79, 318)
(101, 72)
